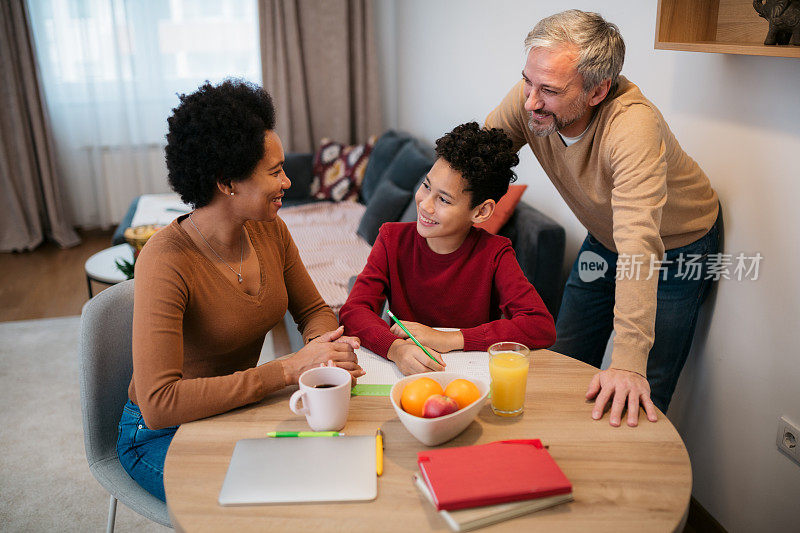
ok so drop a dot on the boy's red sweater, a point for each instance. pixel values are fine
(478, 288)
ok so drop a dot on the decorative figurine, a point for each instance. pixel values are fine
(784, 20)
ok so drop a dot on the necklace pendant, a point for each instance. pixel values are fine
(240, 277)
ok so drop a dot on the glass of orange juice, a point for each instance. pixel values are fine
(508, 368)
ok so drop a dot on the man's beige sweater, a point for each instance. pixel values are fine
(632, 186)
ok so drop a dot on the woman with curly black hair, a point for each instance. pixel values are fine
(212, 284)
(442, 271)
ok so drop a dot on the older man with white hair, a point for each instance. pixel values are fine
(653, 218)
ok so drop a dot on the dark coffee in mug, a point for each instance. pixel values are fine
(323, 397)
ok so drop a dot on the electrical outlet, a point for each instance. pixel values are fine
(788, 440)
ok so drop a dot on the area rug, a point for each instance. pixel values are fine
(45, 483)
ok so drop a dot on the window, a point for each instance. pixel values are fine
(111, 72)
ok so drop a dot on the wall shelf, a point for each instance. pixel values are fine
(717, 26)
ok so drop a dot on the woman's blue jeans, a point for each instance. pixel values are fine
(586, 317)
(142, 451)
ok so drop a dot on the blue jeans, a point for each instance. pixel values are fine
(142, 450)
(586, 318)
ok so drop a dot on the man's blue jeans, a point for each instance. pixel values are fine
(142, 451)
(586, 317)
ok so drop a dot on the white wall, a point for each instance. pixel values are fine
(447, 62)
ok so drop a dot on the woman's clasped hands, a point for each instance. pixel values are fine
(332, 346)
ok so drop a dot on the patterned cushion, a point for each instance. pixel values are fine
(339, 170)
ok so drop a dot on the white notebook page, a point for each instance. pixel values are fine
(380, 371)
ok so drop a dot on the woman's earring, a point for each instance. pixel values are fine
(231, 194)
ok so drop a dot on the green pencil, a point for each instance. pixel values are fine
(410, 336)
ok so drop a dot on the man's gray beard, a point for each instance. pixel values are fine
(575, 112)
(540, 132)
(557, 125)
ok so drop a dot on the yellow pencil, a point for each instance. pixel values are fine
(379, 451)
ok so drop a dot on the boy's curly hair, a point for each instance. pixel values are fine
(216, 134)
(484, 158)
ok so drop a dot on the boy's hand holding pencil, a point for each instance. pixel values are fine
(411, 359)
(407, 358)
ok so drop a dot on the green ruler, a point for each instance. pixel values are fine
(370, 390)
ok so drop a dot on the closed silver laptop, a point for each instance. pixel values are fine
(297, 469)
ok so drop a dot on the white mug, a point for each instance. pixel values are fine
(325, 409)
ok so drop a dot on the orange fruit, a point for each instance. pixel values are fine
(415, 393)
(463, 391)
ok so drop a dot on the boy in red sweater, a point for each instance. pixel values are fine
(440, 271)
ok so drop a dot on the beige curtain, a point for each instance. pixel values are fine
(319, 64)
(30, 203)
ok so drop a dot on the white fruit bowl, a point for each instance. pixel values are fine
(435, 431)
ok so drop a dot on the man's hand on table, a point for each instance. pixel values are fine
(627, 389)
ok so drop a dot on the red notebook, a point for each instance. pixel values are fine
(487, 474)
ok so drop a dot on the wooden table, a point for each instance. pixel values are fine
(624, 479)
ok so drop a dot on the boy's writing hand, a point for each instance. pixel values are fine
(442, 341)
(410, 359)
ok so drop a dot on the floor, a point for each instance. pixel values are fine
(49, 281)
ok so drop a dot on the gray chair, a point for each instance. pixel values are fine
(106, 366)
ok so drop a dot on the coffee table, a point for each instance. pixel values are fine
(101, 267)
(624, 479)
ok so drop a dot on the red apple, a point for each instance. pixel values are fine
(438, 405)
